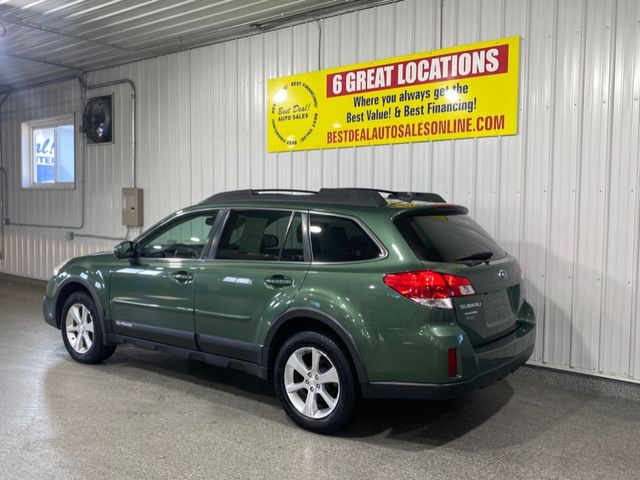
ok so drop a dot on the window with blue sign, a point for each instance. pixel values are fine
(51, 159)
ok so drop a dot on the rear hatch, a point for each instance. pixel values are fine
(448, 241)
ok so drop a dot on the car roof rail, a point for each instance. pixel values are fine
(360, 197)
(251, 194)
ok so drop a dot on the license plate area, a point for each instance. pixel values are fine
(487, 316)
(498, 310)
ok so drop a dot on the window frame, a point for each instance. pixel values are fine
(384, 253)
(224, 217)
(28, 159)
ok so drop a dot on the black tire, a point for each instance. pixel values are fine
(348, 395)
(98, 352)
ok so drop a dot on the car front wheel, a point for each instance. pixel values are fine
(81, 330)
(315, 383)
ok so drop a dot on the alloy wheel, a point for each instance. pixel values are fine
(312, 382)
(80, 328)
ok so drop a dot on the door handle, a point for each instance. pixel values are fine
(182, 277)
(278, 281)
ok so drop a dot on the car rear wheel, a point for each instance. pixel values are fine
(315, 383)
(81, 330)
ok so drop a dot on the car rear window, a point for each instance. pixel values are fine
(446, 238)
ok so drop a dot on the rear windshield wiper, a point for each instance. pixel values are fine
(478, 256)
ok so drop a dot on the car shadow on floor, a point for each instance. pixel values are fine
(431, 423)
(427, 423)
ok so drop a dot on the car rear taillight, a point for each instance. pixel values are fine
(460, 286)
(430, 288)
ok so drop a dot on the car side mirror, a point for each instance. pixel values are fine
(125, 249)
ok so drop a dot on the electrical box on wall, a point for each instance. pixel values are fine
(132, 207)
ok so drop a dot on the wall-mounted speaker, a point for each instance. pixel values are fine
(97, 119)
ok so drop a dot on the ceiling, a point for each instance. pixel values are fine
(41, 40)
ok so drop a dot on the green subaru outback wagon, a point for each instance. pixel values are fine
(333, 295)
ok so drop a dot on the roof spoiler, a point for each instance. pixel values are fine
(433, 210)
(417, 196)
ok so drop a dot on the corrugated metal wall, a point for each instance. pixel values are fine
(561, 195)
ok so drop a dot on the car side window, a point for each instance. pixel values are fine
(184, 238)
(257, 235)
(337, 239)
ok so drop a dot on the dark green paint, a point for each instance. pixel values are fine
(398, 340)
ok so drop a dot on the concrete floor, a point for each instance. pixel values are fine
(148, 415)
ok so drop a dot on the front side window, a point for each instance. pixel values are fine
(48, 153)
(337, 239)
(185, 238)
(265, 235)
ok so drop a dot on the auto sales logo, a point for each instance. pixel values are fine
(294, 113)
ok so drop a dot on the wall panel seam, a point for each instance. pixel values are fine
(578, 175)
(607, 192)
(549, 186)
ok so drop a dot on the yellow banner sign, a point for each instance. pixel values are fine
(460, 92)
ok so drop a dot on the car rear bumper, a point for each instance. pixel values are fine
(492, 367)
